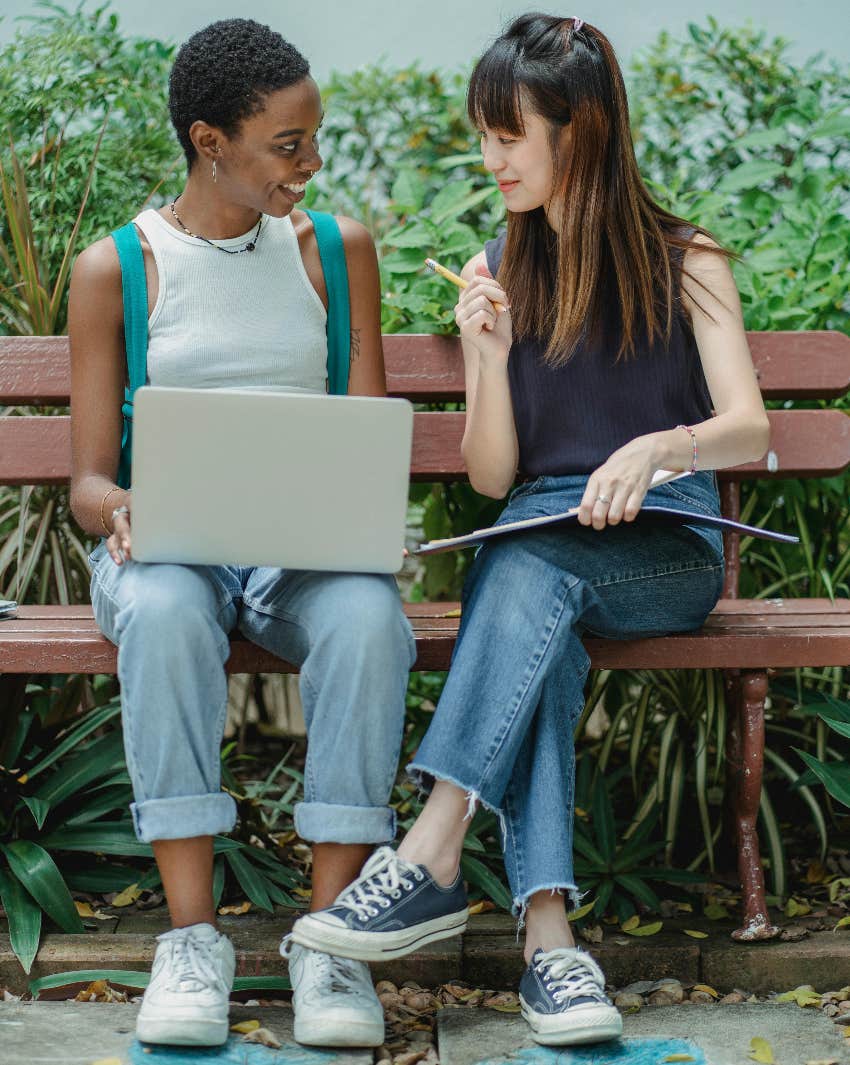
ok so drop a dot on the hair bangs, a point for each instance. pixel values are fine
(494, 97)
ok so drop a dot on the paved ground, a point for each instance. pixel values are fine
(76, 1033)
(707, 1036)
(82, 1033)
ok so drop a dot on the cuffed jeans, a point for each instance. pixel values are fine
(346, 632)
(503, 729)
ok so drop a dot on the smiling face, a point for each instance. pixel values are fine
(267, 162)
(522, 162)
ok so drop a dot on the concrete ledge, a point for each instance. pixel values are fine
(488, 956)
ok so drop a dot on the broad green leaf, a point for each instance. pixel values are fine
(408, 192)
(92, 721)
(96, 760)
(24, 917)
(250, 880)
(603, 819)
(127, 978)
(749, 175)
(39, 808)
(34, 867)
(477, 873)
(835, 776)
(112, 838)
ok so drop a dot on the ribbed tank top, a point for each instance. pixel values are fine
(234, 321)
(570, 418)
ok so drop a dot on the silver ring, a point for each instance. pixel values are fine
(602, 499)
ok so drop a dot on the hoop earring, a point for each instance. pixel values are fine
(215, 177)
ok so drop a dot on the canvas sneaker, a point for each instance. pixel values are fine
(393, 907)
(187, 999)
(562, 996)
(333, 998)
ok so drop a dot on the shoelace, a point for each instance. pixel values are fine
(192, 962)
(382, 876)
(570, 974)
(343, 974)
(340, 973)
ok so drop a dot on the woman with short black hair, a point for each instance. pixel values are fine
(235, 296)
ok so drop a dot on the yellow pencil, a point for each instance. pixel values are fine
(432, 264)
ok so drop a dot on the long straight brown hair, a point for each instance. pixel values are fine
(614, 242)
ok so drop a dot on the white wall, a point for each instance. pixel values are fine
(335, 34)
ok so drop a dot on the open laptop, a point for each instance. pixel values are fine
(299, 481)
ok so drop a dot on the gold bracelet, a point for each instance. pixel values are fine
(102, 519)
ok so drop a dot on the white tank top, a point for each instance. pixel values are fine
(234, 321)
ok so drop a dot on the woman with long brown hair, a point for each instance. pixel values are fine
(621, 352)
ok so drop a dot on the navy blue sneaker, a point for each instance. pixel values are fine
(562, 995)
(392, 908)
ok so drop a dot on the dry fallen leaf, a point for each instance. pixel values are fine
(761, 1051)
(243, 1027)
(264, 1036)
(484, 906)
(843, 923)
(127, 897)
(805, 995)
(631, 923)
(715, 912)
(240, 908)
(695, 934)
(796, 908)
(708, 990)
(679, 1057)
(823, 1061)
(645, 929)
(107, 1061)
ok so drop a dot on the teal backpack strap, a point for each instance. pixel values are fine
(332, 255)
(134, 288)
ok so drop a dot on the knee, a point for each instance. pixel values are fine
(372, 621)
(168, 605)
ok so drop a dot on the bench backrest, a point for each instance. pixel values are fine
(35, 371)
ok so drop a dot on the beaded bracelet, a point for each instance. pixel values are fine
(688, 429)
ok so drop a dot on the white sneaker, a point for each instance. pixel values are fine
(187, 999)
(333, 998)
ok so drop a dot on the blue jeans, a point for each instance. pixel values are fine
(503, 729)
(346, 632)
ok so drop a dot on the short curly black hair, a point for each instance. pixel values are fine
(223, 73)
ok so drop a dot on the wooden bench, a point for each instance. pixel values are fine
(745, 638)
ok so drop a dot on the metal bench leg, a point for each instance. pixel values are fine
(745, 760)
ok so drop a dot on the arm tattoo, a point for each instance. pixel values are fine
(355, 345)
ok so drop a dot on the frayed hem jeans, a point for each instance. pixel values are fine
(503, 729)
(346, 632)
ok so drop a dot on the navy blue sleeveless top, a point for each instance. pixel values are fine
(570, 418)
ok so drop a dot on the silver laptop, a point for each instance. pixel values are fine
(283, 479)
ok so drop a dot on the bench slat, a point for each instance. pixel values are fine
(66, 640)
(815, 364)
(805, 443)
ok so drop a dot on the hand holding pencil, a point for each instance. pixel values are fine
(455, 279)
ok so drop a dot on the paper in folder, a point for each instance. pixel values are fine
(677, 515)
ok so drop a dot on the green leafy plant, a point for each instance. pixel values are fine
(613, 867)
(834, 775)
